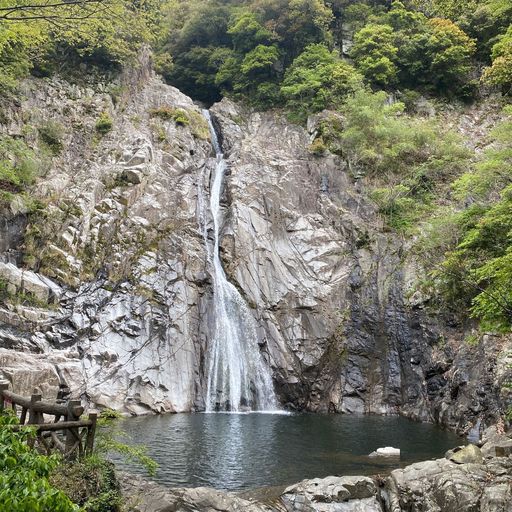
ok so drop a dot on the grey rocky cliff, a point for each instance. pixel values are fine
(128, 248)
(124, 264)
(334, 293)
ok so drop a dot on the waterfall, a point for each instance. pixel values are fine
(238, 378)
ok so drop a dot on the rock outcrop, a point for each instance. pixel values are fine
(119, 258)
(144, 496)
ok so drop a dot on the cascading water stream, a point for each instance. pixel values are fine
(238, 378)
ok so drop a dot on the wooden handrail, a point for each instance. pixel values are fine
(42, 406)
(47, 427)
(77, 443)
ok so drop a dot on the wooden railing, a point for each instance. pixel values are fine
(71, 436)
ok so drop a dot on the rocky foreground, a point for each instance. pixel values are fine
(467, 479)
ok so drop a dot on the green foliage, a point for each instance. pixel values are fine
(9, 295)
(24, 485)
(406, 48)
(475, 273)
(30, 482)
(379, 139)
(109, 440)
(318, 79)
(19, 165)
(483, 20)
(449, 52)
(478, 272)
(45, 39)
(399, 206)
(472, 339)
(222, 47)
(374, 53)
(90, 483)
(178, 115)
(197, 123)
(104, 124)
(17, 44)
(259, 61)
(318, 147)
(411, 161)
(51, 134)
(247, 32)
(500, 73)
(494, 171)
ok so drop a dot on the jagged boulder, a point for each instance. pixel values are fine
(144, 496)
(332, 494)
(446, 486)
(469, 454)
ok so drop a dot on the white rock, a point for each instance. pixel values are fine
(387, 451)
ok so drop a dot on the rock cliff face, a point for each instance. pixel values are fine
(334, 294)
(119, 256)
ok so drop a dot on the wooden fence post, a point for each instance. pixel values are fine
(4, 386)
(33, 416)
(91, 432)
(72, 434)
(78, 434)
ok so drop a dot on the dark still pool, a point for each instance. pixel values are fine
(244, 451)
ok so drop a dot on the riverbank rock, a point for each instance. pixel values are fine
(145, 496)
(446, 486)
(440, 485)
(495, 443)
(336, 494)
(469, 454)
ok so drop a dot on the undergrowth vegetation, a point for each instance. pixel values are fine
(476, 273)
(408, 162)
(32, 482)
(24, 474)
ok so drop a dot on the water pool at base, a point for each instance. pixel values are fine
(246, 451)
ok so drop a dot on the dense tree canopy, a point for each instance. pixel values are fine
(249, 48)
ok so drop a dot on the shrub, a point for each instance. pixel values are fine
(109, 437)
(51, 134)
(90, 483)
(318, 147)
(409, 161)
(104, 123)
(24, 484)
(166, 113)
(318, 79)
(19, 165)
(379, 140)
(397, 205)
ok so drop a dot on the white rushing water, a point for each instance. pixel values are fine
(238, 378)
